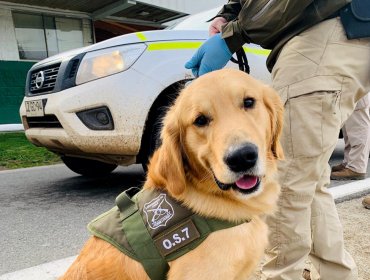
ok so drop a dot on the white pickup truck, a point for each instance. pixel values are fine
(100, 106)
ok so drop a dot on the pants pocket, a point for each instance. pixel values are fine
(314, 122)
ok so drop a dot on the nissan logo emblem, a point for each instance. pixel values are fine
(40, 78)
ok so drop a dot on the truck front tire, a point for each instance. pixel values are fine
(88, 167)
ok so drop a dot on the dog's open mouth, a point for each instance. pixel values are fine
(246, 184)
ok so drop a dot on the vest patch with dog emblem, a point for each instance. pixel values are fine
(158, 211)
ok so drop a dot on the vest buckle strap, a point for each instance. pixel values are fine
(125, 203)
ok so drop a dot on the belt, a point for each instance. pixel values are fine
(337, 13)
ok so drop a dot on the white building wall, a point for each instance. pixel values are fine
(8, 42)
(186, 6)
(87, 32)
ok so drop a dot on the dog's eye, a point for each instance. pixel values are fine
(201, 121)
(249, 102)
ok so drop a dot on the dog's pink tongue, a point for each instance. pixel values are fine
(246, 182)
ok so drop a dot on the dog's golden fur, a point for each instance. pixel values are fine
(212, 116)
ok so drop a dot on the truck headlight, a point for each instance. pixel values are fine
(102, 63)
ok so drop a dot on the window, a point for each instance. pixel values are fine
(40, 36)
(30, 36)
(200, 21)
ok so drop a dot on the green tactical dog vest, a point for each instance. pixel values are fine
(153, 228)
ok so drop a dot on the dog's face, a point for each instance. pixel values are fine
(223, 134)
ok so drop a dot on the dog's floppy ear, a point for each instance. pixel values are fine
(166, 167)
(276, 110)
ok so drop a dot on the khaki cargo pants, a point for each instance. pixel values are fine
(356, 135)
(319, 76)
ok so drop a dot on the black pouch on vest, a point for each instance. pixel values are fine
(355, 18)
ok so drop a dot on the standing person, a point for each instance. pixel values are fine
(320, 75)
(356, 135)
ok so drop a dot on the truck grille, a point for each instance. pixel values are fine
(47, 121)
(43, 79)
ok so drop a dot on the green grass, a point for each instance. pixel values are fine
(17, 152)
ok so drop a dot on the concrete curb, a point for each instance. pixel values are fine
(351, 190)
(47, 271)
(11, 127)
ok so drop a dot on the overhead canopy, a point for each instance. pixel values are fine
(129, 11)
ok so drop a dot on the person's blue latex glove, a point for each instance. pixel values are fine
(212, 55)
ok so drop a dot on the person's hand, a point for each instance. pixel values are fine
(216, 25)
(212, 55)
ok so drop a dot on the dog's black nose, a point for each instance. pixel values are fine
(242, 158)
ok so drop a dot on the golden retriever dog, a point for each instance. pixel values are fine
(218, 157)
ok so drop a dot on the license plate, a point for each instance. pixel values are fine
(34, 108)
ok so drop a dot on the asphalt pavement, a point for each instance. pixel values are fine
(44, 211)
